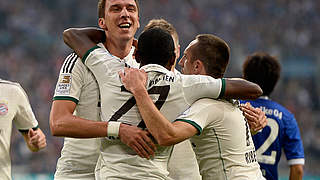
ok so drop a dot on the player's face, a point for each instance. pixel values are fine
(185, 62)
(121, 19)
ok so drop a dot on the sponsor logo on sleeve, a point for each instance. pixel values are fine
(3, 109)
(64, 84)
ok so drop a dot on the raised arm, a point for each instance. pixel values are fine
(83, 39)
(165, 132)
(237, 88)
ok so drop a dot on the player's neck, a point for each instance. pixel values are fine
(117, 48)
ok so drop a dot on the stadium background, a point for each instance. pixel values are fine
(32, 51)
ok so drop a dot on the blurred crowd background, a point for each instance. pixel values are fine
(32, 51)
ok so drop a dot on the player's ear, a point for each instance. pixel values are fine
(102, 23)
(198, 67)
(177, 51)
(172, 59)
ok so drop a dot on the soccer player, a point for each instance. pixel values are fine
(173, 94)
(224, 146)
(15, 108)
(178, 168)
(76, 106)
(282, 131)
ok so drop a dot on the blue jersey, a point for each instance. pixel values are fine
(281, 132)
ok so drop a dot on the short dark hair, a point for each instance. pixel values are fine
(214, 53)
(155, 46)
(102, 8)
(163, 24)
(262, 69)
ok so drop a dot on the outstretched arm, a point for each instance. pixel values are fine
(165, 132)
(237, 88)
(83, 39)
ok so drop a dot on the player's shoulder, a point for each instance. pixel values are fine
(10, 84)
(70, 62)
(286, 112)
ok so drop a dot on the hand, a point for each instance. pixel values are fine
(37, 140)
(134, 79)
(137, 139)
(255, 116)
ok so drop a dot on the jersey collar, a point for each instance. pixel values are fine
(155, 67)
(125, 59)
(264, 97)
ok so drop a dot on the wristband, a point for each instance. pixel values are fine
(113, 129)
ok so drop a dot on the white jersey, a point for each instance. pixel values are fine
(14, 107)
(78, 155)
(172, 93)
(224, 149)
(179, 168)
(183, 164)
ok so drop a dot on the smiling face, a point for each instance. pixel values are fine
(186, 61)
(121, 19)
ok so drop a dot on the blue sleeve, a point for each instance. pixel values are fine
(293, 147)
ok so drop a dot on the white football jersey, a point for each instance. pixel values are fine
(224, 148)
(78, 155)
(183, 164)
(14, 107)
(172, 93)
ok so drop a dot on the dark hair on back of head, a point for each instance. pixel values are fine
(163, 24)
(155, 46)
(262, 69)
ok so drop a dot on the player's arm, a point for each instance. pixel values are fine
(83, 39)
(25, 120)
(296, 172)
(64, 123)
(293, 147)
(35, 139)
(237, 88)
(165, 132)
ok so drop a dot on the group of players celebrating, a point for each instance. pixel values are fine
(127, 113)
(129, 101)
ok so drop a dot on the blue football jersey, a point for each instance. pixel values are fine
(281, 132)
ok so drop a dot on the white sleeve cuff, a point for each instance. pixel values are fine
(296, 161)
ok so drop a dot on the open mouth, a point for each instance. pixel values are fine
(125, 25)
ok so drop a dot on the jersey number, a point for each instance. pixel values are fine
(163, 91)
(274, 130)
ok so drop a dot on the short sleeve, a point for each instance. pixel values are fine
(198, 114)
(24, 118)
(198, 86)
(71, 79)
(293, 147)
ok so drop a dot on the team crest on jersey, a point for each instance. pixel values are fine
(3, 109)
(64, 84)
